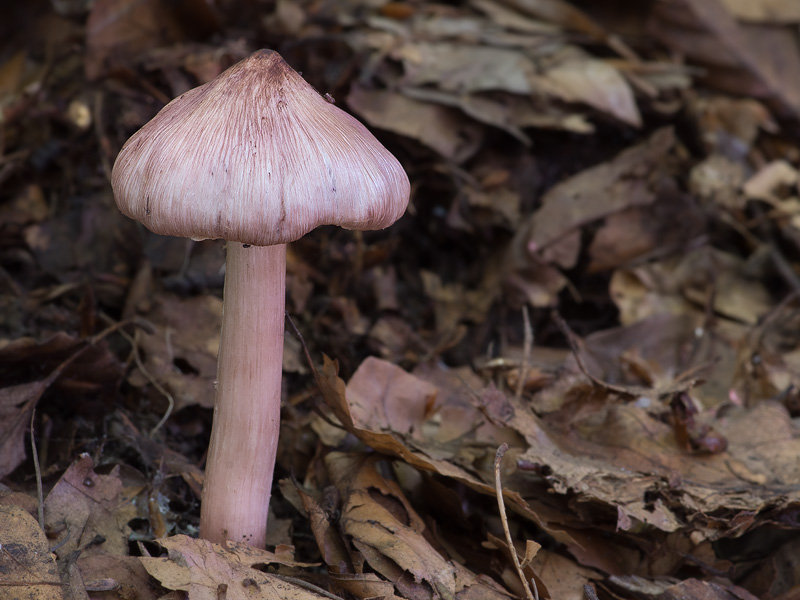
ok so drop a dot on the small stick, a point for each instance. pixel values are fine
(504, 519)
(526, 353)
(39, 489)
(138, 359)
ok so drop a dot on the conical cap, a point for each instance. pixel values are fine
(257, 156)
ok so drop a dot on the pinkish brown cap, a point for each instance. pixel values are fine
(257, 156)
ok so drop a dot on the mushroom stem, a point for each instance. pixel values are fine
(244, 436)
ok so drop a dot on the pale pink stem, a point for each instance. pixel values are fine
(244, 436)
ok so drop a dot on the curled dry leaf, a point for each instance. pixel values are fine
(391, 535)
(331, 543)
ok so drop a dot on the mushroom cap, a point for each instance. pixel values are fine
(256, 156)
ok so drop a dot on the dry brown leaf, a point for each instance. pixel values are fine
(454, 303)
(750, 60)
(595, 83)
(511, 576)
(27, 568)
(366, 586)
(705, 590)
(651, 466)
(564, 578)
(119, 30)
(407, 407)
(384, 440)
(718, 179)
(507, 17)
(90, 511)
(328, 537)
(181, 354)
(671, 224)
(384, 526)
(625, 181)
(16, 405)
(767, 183)
(496, 110)
(394, 339)
(688, 284)
(443, 129)
(730, 126)
(571, 18)
(205, 570)
(465, 69)
(534, 282)
(536, 112)
(119, 577)
(764, 11)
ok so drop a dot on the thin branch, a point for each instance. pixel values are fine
(526, 352)
(39, 489)
(502, 507)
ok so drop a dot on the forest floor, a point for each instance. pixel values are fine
(598, 272)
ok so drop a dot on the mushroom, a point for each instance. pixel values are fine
(259, 158)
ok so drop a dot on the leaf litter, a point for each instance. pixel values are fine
(598, 269)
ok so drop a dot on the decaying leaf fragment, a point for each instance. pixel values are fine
(628, 180)
(550, 240)
(27, 568)
(206, 570)
(89, 511)
(374, 427)
(750, 60)
(181, 354)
